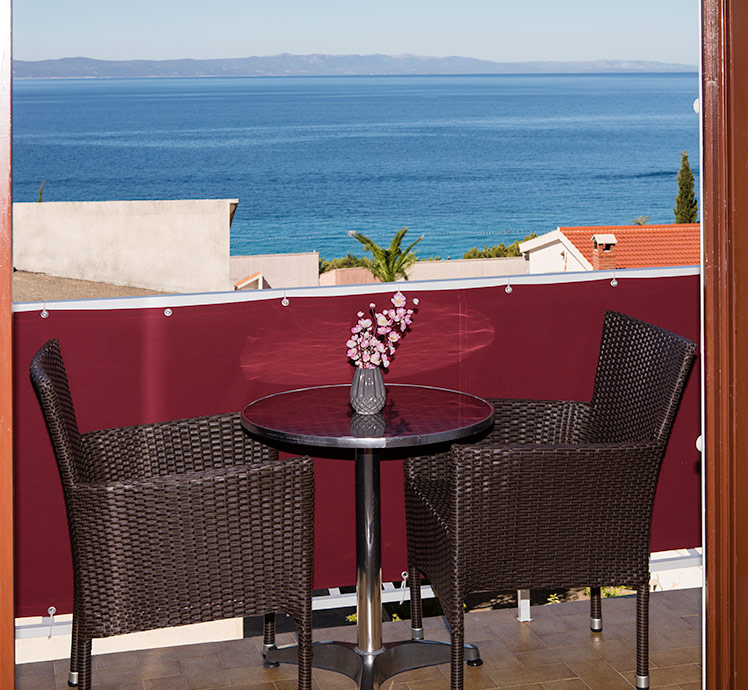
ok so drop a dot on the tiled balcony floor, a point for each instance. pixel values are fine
(555, 651)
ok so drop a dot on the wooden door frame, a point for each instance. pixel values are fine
(724, 170)
(725, 274)
(7, 630)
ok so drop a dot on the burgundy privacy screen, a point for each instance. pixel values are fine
(129, 366)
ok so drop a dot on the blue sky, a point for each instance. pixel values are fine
(503, 30)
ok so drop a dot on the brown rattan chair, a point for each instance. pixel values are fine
(559, 494)
(177, 522)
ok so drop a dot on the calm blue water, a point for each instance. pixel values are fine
(465, 160)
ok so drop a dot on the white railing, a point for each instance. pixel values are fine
(392, 592)
(287, 294)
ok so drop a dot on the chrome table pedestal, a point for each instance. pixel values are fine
(413, 416)
(369, 663)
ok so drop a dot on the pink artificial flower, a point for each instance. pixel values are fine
(374, 339)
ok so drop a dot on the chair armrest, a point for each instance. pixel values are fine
(538, 421)
(215, 538)
(435, 467)
(169, 448)
(538, 515)
(554, 490)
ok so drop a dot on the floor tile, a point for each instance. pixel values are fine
(675, 656)
(573, 684)
(166, 683)
(557, 655)
(599, 675)
(536, 674)
(204, 673)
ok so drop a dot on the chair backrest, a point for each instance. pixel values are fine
(51, 384)
(640, 376)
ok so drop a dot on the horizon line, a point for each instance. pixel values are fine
(357, 55)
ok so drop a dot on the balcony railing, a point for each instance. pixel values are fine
(137, 360)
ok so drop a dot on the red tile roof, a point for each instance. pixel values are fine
(641, 246)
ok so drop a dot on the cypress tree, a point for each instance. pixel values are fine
(686, 207)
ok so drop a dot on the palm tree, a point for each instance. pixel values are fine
(389, 264)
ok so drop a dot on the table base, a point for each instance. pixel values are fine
(370, 670)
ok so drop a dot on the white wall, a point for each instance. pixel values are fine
(553, 258)
(347, 276)
(278, 270)
(467, 268)
(171, 246)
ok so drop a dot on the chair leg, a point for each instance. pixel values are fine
(73, 674)
(416, 610)
(268, 640)
(458, 654)
(80, 662)
(596, 610)
(305, 652)
(642, 636)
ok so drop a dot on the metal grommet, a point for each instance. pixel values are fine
(44, 314)
(168, 311)
(508, 289)
(285, 301)
(614, 282)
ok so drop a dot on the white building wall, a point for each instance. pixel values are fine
(468, 268)
(553, 258)
(170, 246)
(278, 270)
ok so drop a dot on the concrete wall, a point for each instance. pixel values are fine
(172, 246)
(467, 268)
(347, 276)
(434, 270)
(278, 270)
(553, 258)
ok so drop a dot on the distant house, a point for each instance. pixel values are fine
(605, 247)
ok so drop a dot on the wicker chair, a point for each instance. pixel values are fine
(176, 523)
(560, 494)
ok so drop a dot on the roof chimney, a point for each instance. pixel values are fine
(603, 252)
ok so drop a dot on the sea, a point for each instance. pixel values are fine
(465, 161)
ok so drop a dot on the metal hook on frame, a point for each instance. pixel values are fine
(403, 585)
(614, 282)
(51, 619)
(44, 313)
(508, 288)
(285, 301)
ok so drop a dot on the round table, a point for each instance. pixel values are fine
(412, 416)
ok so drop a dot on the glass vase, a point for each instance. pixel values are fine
(368, 393)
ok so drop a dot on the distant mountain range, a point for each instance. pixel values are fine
(286, 65)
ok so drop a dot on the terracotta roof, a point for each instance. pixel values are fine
(642, 246)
